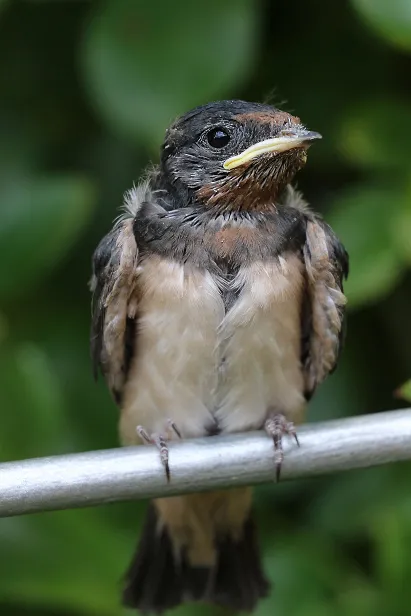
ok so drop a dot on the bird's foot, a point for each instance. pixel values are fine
(276, 426)
(160, 441)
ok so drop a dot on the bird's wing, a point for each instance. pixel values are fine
(323, 322)
(114, 306)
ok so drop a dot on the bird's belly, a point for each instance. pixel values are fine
(204, 368)
(260, 343)
(174, 372)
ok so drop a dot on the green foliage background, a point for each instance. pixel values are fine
(86, 92)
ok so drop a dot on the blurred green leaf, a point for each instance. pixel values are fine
(31, 393)
(39, 222)
(80, 564)
(370, 138)
(402, 227)
(200, 610)
(391, 19)
(404, 392)
(366, 490)
(359, 598)
(146, 62)
(299, 557)
(391, 547)
(391, 533)
(3, 327)
(363, 219)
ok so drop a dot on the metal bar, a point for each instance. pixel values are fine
(96, 477)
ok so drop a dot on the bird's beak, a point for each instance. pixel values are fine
(286, 140)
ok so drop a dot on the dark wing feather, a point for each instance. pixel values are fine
(323, 315)
(114, 305)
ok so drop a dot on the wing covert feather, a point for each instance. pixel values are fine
(114, 306)
(326, 262)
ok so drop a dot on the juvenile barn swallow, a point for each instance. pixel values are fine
(218, 307)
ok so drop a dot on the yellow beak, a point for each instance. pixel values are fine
(277, 144)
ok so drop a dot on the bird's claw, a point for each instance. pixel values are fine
(160, 441)
(276, 426)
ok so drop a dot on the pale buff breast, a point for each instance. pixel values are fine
(194, 363)
(174, 370)
(260, 340)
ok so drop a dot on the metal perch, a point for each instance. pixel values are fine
(97, 477)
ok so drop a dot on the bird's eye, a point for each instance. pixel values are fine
(218, 137)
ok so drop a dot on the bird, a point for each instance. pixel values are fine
(218, 307)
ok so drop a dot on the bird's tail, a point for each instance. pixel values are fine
(161, 577)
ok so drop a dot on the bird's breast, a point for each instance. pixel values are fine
(206, 365)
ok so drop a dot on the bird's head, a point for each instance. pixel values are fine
(234, 155)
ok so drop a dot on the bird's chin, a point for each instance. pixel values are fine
(296, 156)
(277, 169)
(255, 185)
